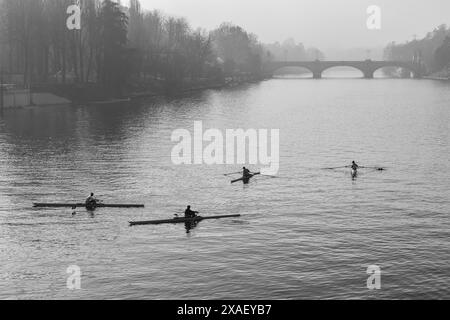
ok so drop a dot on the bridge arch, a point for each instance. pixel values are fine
(362, 72)
(289, 70)
(415, 73)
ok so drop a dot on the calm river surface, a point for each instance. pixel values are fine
(309, 233)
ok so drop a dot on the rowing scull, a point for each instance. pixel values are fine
(181, 220)
(246, 179)
(83, 205)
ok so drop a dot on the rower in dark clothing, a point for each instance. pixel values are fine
(189, 213)
(91, 202)
(355, 168)
(246, 173)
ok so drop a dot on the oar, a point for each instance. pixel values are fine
(237, 180)
(336, 168)
(245, 178)
(375, 168)
(229, 174)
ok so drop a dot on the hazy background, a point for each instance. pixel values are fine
(331, 25)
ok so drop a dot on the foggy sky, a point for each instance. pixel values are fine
(321, 23)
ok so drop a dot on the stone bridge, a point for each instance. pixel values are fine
(367, 67)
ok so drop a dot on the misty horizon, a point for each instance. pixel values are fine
(341, 25)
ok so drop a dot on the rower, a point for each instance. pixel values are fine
(91, 201)
(189, 213)
(354, 166)
(246, 173)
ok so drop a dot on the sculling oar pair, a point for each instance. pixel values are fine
(360, 167)
(246, 179)
(254, 173)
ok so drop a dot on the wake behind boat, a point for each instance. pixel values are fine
(181, 220)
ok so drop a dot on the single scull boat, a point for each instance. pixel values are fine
(181, 220)
(83, 205)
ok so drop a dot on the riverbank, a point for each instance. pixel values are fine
(20, 98)
(437, 78)
(96, 94)
(443, 75)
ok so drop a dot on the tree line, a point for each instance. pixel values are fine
(433, 51)
(120, 48)
(290, 50)
(36, 43)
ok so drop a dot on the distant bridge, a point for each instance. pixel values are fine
(367, 67)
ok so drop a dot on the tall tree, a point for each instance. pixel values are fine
(113, 62)
(240, 51)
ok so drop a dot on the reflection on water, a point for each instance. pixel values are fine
(307, 233)
(190, 226)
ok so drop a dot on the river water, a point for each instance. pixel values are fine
(308, 233)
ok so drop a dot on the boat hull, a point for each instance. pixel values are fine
(83, 205)
(181, 220)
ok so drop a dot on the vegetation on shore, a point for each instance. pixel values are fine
(120, 50)
(433, 51)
